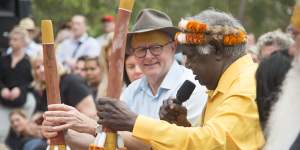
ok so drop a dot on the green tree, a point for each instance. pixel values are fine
(258, 16)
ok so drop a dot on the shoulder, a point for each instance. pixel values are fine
(132, 88)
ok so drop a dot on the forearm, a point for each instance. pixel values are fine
(133, 143)
(78, 141)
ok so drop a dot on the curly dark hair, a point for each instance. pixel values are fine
(269, 77)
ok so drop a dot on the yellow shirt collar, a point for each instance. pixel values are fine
(230, 75)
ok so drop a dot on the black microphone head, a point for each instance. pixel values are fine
(184, 92)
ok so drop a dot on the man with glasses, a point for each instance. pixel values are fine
(152, 44)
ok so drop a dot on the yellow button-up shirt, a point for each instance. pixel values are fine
(229, 122)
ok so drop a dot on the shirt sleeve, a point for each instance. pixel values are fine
(233, 126)
(75, 90)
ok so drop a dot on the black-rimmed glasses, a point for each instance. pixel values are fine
(155, 50)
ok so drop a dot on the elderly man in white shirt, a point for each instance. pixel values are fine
(80, 45)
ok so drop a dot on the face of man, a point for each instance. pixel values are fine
(206, 67)
(108, 26)
(78, 26)
(79, 68)
(156, 62)
(294, 48)
(267, 50)
(93, 72)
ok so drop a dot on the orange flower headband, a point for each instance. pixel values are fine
(195, 32)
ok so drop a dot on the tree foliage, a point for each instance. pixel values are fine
(258, 16)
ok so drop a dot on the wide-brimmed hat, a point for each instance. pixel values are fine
(152, 20)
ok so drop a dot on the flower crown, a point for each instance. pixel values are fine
(195, 32)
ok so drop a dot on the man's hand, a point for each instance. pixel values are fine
(61, 117)
(5, 93)
(115, 115)
(174, 113)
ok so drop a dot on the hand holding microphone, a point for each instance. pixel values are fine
(172, 111)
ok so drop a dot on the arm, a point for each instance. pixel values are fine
(87, 107)
(133, 143)
(234, 125)
(75, 140)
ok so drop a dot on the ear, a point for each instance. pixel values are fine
(173, 46)
(219, 49)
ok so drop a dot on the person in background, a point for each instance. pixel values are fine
(283, 125)
(81, 44)
(32, 48)
(132, 71)
(272, 41)
(73, 90)
(27, 134)
(93, 72)
(108, 26)
(15, 78)
(269, 77)
(64, 32)
(79, 67)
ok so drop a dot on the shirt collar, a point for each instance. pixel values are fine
(168, 81)
(231, 74)
(82, 38)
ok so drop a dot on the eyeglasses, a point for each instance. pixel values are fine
(154, 50)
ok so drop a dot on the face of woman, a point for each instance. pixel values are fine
(38, 69)
(16, 42)
(18, 123)
(133, 70)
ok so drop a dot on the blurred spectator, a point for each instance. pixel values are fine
(31, 47)
(15, 78)
(79, 45)
(79, 67)
(269, 77)
(63, 33)
(73, 90)
(272, 41)
(25, 135)
(93, 72)
(251, 47)
(132, 71)
(294, 30)
(284, 124)
(108, 26)
(104, 63)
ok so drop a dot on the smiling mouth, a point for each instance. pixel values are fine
(149, 65)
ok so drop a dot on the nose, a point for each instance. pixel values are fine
(148, 54)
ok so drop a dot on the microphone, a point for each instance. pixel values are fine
(184, 92)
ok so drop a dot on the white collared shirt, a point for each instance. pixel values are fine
(88, 47)
(140, 99)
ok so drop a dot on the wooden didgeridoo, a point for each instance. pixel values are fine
(52, 78)
(116, 65)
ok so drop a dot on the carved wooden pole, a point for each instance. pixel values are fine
(116, 66)
(52, 78)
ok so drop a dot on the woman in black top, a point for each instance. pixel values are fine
(15, 71)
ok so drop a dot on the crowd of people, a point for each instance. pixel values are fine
(245, 93)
